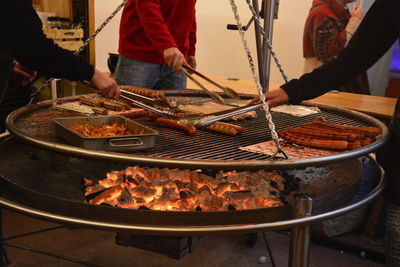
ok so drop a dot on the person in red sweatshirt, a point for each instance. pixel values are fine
(156, 37)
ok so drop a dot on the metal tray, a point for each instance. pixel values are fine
(144, 140)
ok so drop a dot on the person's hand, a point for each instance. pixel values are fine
(192, 62)
(274, 98)
(174, 58)
(357, 11)
(22, 76)
(107, 86)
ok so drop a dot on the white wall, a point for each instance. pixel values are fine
(220, 51)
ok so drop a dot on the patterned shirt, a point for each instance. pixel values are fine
(325, 37)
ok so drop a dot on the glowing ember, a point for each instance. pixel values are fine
(186, 190)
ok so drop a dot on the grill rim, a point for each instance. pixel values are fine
(196, 163)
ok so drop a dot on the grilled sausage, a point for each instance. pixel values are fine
(369, 131)
(155, 94)
(315, 133)
(225, 128)
(90, 101)
(320, 143)
(190, 129)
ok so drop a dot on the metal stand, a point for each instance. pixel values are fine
(4, 259)
(263, 53)
(300, 235)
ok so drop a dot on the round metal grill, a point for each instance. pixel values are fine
(206, 150)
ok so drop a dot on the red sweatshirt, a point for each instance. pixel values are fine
(148, 27)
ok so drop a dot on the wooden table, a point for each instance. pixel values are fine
(373, 105)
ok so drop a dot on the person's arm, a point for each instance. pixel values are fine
(376, 34)
(149, 13)
(192, 45)
(21, 76)
(32, 49)
(28, 44)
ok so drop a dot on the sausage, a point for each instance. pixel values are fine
(351, 136)
(315, 133)
(100, 111)
(91, 101)
(369, 131)
(144, 91)
(190, 129)
(225, 128)
(320, 143)
(113, 106)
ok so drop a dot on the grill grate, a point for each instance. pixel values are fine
(206, 150)
(214, 146)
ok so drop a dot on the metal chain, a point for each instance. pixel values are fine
(268, 42)
(80, 49)
(268, 116)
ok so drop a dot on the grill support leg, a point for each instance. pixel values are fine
(4, 259)
(300, 235)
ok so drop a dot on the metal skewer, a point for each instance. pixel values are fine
(210, 119)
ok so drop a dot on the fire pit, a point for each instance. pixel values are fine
(51, 183)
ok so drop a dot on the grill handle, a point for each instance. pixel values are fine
(136, 142)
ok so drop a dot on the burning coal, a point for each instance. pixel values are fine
(185, 190)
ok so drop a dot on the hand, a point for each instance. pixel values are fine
(22, 76)
(174, 58)
(357, 11)
(107, 86)
(192, 62)
(274, 98)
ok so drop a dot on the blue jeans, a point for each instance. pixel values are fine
(148, 75)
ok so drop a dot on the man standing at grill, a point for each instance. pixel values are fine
(24, 40)
(375, 35)
(156, 38)
(328, 29)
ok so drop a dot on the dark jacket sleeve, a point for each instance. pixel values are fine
(375, 35)
(388, 158)
(28, 44)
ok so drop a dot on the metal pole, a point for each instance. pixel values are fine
(260, 50)
(300, 235)
(269, 14)
(4, 259)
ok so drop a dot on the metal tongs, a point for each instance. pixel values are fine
(137, 100)
(206, 120)
(188, 71)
